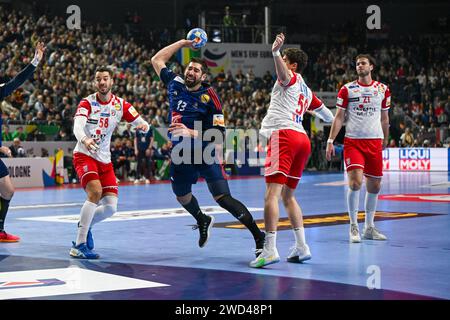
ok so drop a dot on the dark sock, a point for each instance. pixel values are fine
(240, 212)
(4, 205)
(194, 209)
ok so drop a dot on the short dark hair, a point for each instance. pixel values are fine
(296, 55)
(105, 69)
(202, 62)
(366, 56)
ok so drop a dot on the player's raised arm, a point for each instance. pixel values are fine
(280, 66)
(162, 56)
(7, 88)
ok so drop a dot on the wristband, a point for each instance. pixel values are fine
(35, 61)
(276, 53)
(330, 141)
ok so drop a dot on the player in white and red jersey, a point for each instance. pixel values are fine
(289, 149)
(364, 105)
(96, 118)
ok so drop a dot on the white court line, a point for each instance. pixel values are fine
(47, 205)
(332, 184)
(136, 214)
(444, 184)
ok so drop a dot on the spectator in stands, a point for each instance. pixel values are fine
(18, 133)
(7, 107)
(17, 151)
(128, 133)
(6, 135)
(392, 144)
(63, 136)
(228, 26)
(407, 138)
(143, 149)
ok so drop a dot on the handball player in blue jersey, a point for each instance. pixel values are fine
(194, 104)
(6, 186)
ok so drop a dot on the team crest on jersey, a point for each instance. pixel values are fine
(117, 106)
(205, 98)
(381, 89)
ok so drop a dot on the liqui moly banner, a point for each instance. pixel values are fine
(416, 159)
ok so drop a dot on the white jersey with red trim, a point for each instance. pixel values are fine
(287, 106)
(363, 105)
(102, 120)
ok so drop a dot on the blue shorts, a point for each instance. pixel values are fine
(183, 176)
(3, 169)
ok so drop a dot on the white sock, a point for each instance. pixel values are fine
(271, 240)
(352, 205)
(370, 207)
(86, 214)
(299, 234)
(106, 210)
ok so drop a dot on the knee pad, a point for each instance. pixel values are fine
(110, 204)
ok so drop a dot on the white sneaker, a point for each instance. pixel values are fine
(371, 233)
(354, 233)
(265, 258)
(299, 254)
(136, 181)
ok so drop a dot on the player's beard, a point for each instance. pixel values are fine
(363, 73)
(191, 82)
(104, 90)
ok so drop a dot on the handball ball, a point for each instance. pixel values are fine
(199, 36)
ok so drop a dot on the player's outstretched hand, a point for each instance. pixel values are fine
(330, 151)
(142, 127)
(40, 50)
(279, 40)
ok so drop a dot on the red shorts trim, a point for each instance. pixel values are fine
(365, 154)
(287, 156)
(89, 169)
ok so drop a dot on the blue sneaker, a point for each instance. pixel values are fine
(90, 240)
(82, 252)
